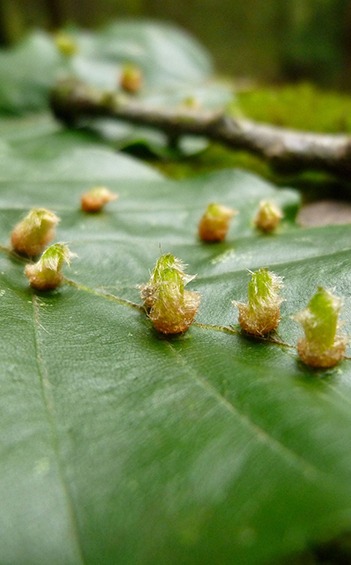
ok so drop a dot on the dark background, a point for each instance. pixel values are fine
(268, 40)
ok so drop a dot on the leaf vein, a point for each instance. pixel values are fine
(106, 295)
(45, 389)
(296, 460)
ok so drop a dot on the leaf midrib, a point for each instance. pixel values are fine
(141, 308)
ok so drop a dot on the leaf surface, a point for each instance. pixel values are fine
(121, 446)
(42, 151)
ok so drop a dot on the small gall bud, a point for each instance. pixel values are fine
(65, 44)
(261, 314)
(131, 79)
(322, 345)
(96, 198)
(214, 224)
(172, 308)
(191, 103)
(34, 232)
(268, 216)
(46, 274)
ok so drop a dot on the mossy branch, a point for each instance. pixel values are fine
(286, 150)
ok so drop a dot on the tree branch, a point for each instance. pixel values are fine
(286, 150)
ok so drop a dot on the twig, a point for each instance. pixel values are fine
(285, 149)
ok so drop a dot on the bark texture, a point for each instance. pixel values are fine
(286, 150)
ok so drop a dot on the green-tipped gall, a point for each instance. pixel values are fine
(261, 314)
(34, 232)
(322, 345)
(268, 216)
(65, 44)
(96, 198)
(131, 79)
(46, 274)
(172, 308)
(214, 224)
(149, 291)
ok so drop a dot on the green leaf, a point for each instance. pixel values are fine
(166, 54)
(121, 446)
(42, 151)
(26, 73)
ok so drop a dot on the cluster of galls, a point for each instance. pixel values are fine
(171, 307)
(30, 237)
(172, 310)
(130, 77)
(322, 345)
(215, 222)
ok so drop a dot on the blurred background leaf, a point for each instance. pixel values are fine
(175, 68)
(280, 39)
